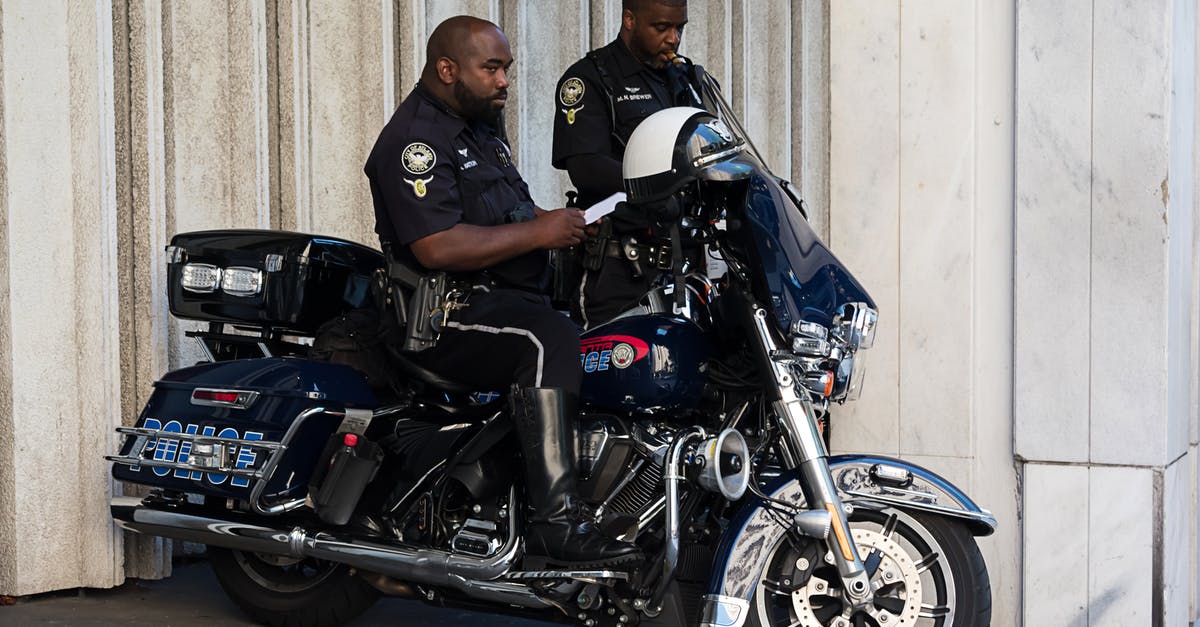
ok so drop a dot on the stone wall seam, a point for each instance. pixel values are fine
(262, 187)
(8, 561)
(109, 241)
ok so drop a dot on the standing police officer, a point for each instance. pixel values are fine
(600, 100)
(448, 197)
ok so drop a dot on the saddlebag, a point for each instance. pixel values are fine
(251, 430)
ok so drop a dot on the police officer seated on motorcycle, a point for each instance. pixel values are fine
(599, 101)
(448, 197)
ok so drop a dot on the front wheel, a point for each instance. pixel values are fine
(283, 591)
(925, 570)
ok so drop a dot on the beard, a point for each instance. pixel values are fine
(475, 107)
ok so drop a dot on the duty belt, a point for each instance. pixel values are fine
(654, 255)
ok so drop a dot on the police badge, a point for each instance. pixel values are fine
(418, 158)
(569, 95)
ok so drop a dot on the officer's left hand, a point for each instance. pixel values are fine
(559, 228)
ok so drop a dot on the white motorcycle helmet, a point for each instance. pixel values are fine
(677, 146)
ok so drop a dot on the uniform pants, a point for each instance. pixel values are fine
(610, 290)
(506, 336)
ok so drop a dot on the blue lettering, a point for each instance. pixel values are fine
(185, 453)
(589, 364)
(150, 423)
(227, 432)
(244, 459)
(604, 357)
(167, 448)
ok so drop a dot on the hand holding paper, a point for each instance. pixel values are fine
(603, 208)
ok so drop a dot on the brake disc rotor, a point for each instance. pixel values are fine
(896, 578)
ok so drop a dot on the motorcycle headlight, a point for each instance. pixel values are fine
(858, 371)
(857, 325)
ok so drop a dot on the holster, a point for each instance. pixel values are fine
(427, 314)
(596, 246)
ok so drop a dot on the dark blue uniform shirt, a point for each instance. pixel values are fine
(431, 169)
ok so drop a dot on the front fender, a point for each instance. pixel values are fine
(871, 481)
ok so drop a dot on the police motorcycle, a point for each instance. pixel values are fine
(322, 470)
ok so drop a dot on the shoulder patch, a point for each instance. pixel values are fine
(418, 158)
(571, 92)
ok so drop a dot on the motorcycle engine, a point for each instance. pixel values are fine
(621, 471)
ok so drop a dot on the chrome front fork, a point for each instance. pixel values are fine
(805, 450)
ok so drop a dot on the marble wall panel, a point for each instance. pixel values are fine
(8, 484)
(994, 482)
(1052, 243)
(1178, 543)
(1056, 502)
(1130, 142)
(1120, 544)
(937, 206)
(1181, 209)
(864, 175)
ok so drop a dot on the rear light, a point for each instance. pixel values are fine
(200, 277)
(350, 439)
(238, 399)
(241, 281)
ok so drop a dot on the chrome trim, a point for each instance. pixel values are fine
(407, 563)
(673, 475)
(176, 254)
(256, 492)
(273, 262)
(723, 611)
(804, 450)
(589, 576)
(704, 160)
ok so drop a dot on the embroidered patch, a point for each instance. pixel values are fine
(418, 158)
(419, 189)
(571, 92)
(570, 113)
(462, 151)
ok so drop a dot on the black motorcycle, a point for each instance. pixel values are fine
(324, 472)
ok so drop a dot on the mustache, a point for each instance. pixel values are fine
(503, 93)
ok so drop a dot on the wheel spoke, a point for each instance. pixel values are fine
(927, 561)
(775, 588)
(826, 613)
(934, 611)
(894, 605)
(889, 527)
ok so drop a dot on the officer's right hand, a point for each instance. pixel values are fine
(560, 228)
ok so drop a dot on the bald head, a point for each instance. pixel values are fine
(457, 38)
(466, 64)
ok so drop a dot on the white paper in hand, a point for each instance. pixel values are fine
(603, 208)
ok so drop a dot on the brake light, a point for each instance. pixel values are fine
(239, 399)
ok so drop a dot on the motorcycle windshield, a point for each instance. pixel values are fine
(796, 271)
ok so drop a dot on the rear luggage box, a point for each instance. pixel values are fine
(286, 282)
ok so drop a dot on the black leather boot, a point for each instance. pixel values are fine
(558, 530)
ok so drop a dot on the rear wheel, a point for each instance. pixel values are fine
(925, 570)
(292, 592)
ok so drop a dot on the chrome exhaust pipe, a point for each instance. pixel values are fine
(416, 565)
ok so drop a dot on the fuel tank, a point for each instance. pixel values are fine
(652, 364)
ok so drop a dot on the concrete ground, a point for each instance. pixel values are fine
(192, 598)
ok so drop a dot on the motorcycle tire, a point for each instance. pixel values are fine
(930, 573)
(288, 592)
